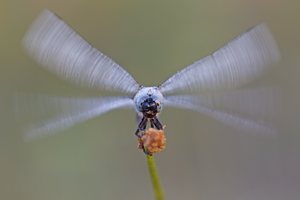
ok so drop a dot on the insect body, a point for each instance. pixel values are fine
(148, 103)
(214, 81)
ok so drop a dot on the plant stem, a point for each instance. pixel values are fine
(155, 178)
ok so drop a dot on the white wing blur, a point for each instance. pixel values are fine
(252, 110)
(234, 65)
(44, 115)
(58, 48)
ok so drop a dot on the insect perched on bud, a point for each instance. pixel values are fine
(206, 86)
(152, 141)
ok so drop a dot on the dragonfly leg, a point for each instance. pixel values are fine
(139, 133)
(141, 127)
(156, 123)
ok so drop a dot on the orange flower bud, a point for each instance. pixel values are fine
(152, 141)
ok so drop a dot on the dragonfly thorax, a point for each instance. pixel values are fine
(149, 101)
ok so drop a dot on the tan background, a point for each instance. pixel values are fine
(152, 40)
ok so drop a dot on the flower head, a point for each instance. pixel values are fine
(152, 141)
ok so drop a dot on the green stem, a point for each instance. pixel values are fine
(155, 178)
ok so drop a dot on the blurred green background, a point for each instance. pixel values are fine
(151, 39)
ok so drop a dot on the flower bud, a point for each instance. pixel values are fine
(152, 141)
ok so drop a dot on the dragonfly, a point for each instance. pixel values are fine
(212, 85)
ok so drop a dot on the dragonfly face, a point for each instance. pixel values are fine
(149, 108)
(148, 101)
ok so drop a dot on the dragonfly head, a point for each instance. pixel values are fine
(148, 101)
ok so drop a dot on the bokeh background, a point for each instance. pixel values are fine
(153, 39)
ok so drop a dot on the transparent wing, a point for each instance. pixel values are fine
(52, 114)
(253, 110)
(237, 63)
(54, 45)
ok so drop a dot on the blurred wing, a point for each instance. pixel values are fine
(52, 114)
(237, 63)
(251, 110)
(54, 45)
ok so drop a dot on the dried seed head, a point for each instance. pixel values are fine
(152, 141)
